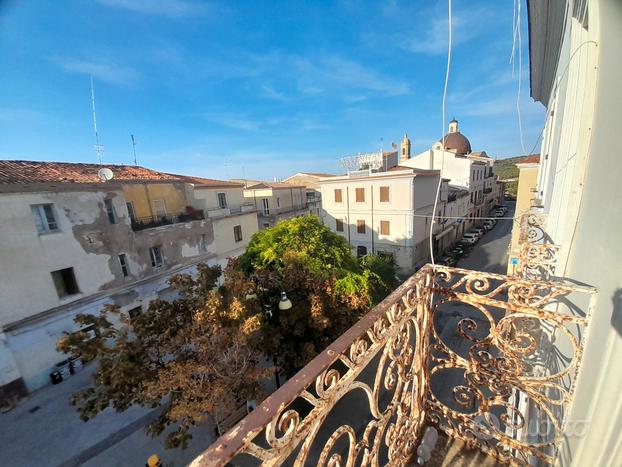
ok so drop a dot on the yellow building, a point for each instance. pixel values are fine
(527, 181)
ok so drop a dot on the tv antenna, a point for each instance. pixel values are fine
(134, 148)
(99, 148)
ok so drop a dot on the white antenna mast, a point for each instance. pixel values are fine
(134, 147)
(99, 148)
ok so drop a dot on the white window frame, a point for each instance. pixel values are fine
(42, 219)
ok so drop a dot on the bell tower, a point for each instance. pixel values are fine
(405, 149)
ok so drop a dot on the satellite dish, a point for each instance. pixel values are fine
(105, 174)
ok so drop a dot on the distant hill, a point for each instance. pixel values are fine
(506, 168)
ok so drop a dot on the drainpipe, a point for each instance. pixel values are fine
(348, 214)
(371, 189)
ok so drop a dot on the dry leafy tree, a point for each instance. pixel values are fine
(205, 352)
(192, 356)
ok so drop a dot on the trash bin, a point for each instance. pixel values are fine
(56, 377)
(64, 369)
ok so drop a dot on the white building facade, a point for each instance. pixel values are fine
(576, 72)
(384, 213)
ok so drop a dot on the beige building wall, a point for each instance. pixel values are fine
(408, 194)
(206, 198)
(276, 201)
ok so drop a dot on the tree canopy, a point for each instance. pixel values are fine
(206, 351)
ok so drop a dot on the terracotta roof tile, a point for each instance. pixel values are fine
(36, 172)
(30, 172)
(201, 182)
(531, 159)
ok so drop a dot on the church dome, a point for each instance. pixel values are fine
(457, 142)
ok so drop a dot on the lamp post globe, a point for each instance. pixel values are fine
(285, 303)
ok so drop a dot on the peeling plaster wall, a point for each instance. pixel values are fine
(28, 257)
(32, 314)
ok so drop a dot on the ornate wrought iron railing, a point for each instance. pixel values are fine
(483, 357)
(538, 255)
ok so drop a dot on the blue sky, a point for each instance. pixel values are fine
(254, 89)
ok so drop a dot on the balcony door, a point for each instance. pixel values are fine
(222, 200)
(266, 206)
(159, 208)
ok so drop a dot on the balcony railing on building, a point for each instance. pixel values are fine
(285, 210)
(226, 211)
(488, 359)
(149, 222)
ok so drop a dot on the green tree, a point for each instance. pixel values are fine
(328, 288)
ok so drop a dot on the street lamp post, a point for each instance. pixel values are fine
(267, 308)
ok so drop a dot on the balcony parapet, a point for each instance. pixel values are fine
(150, 222)
(463, 350)
(214, 213)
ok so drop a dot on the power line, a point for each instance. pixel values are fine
(440, 175)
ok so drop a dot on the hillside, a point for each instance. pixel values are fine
(506, 168)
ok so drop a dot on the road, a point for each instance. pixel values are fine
(45, 429)
(490, 254)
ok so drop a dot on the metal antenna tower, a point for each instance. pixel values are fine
(134, 148)
(99, 148)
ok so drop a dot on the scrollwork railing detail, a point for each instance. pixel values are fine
(481, 356)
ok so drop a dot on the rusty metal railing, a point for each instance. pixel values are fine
(481, 356)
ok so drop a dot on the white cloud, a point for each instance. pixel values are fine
(109, 72)
(432, 39)
(329, 70)
(271, 93)
(173, 8)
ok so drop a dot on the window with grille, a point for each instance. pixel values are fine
(44, 217)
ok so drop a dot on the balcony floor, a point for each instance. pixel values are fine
(453, 452)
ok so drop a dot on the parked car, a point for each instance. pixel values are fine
(447, 261)
(480, 231)
(489, 224)
(457, 252)
(469, 238)
(499, 213)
